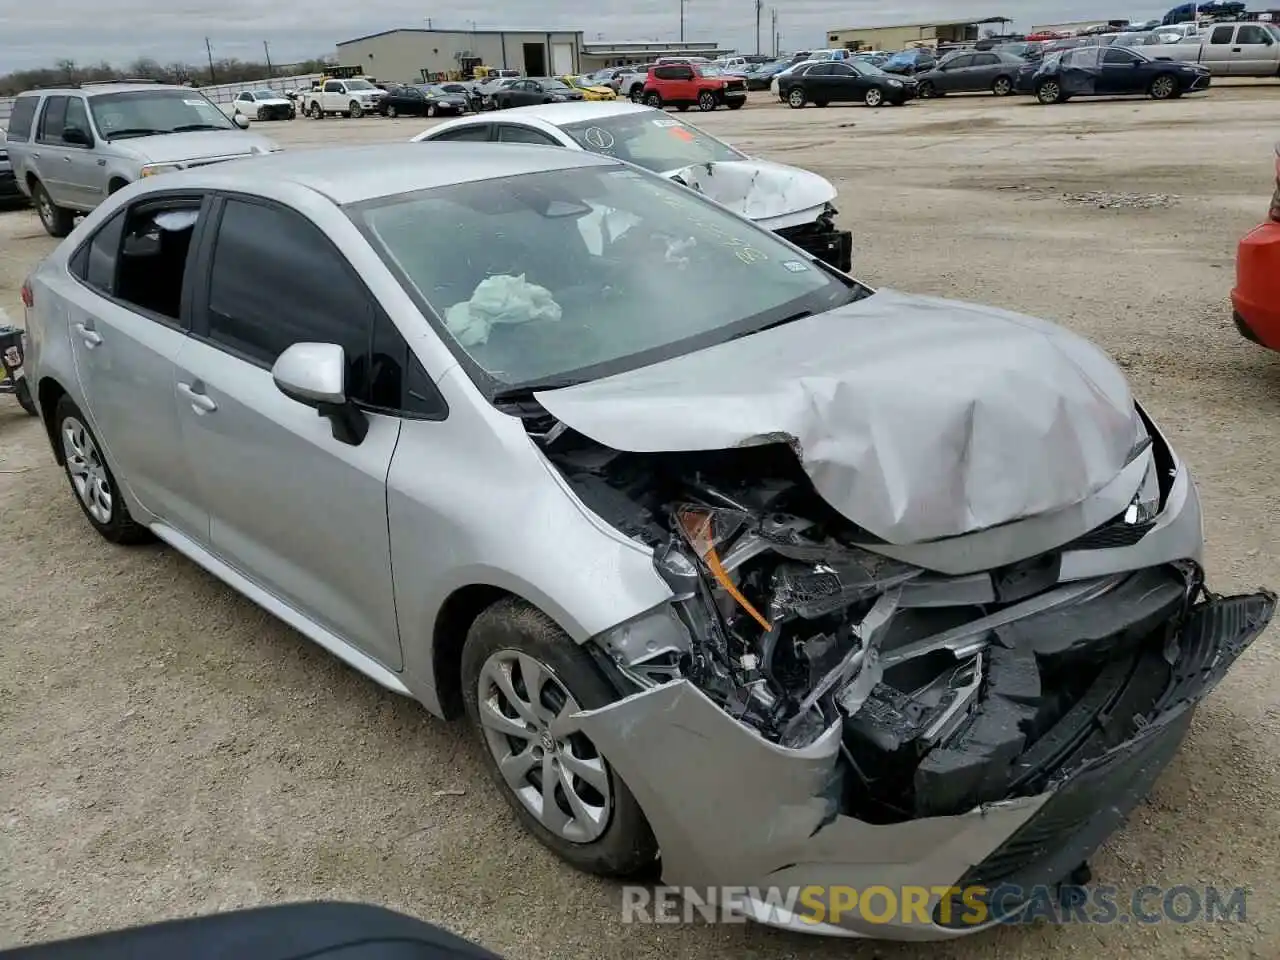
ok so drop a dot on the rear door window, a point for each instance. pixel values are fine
(24, 111)
(474, 133)
(1222, 34)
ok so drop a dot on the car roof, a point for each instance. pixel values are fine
(558, 114)
(93, 89)
(354, 174)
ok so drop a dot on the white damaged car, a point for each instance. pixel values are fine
(796, 204)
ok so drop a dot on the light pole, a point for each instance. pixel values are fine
(682, 21)
(759, 7)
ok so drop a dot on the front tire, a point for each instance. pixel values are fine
(92, 481)
(520, 675)
(56, 221)
(1163, 87)
(874, 97)
(707, 101)
(925, 91)
(653, 100)
(354, 110)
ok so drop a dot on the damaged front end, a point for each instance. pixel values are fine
(807, 711)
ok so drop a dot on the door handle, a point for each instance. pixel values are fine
(1236, 49)
(91, 338)
(200, 403)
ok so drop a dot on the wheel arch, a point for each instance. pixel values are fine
(449, 633)
(48, 393)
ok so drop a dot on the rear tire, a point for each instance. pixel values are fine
(516, 644)
(795, 99)
(314, 112)
(1002, 87)
(653, 100)
(391, 111)
(92, 482)
(56, 221)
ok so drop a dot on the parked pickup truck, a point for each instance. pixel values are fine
(1227, 49)
(349, 98)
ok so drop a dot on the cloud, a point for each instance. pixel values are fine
(74, 29)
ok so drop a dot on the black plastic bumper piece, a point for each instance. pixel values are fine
(295, 931)
(830, 246)
(1092, 800)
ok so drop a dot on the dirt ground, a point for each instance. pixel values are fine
(166, 748)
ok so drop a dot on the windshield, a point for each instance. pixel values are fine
(265, 95)
(561, 276)
(651, 139)
(554, 85)
(867, 69)
(902, 58)
(141, 113)
(360, 85)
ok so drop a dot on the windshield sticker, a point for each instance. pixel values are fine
(598, 138)
(795, 266)
(194, 103)
(681, 134)
(666, 122)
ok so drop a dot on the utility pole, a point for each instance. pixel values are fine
(266, 48)
(213, 80)
(682, 21)
(773, 30)
(759, 7)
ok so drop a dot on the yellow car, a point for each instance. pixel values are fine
(589, 91)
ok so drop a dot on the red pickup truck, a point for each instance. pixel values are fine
(685, 85)
(1255, 301)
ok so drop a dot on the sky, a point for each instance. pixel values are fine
(120, 31)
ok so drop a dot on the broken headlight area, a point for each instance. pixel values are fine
(823, 239)
(950, 691)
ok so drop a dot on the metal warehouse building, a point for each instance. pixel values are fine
(910, 34)
(404, 55)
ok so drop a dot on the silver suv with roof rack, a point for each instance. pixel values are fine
(73, 147)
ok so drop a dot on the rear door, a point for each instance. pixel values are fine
(1254, 51)
(519, 133)
(300, 513)
(128, 311)
(1080, 71)
(983, 72)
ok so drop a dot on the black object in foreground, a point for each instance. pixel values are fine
(316, 931)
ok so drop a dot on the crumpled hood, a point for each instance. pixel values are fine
(197, 145)
(916, 418)
(772, 194)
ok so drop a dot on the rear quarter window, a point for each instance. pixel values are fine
(24, 111)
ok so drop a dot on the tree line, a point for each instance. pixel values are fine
(70, 73)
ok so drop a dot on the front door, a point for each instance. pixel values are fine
(127, 320)
(1080, 70)
(951, 75)
(298, 512)
(1254, 51)
(1122, 72)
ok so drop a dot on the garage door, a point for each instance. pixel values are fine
(561, 59)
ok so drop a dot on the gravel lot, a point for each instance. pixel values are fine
(167, 749)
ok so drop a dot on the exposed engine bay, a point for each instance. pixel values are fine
(952, 691)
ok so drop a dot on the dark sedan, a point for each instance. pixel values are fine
(763, 74)
(534, 90)
(422, 101)
(1110, 72)
(971, 73)
(848, 81)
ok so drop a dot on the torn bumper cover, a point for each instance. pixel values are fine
(1027, 803)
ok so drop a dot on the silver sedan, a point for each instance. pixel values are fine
(728, 559)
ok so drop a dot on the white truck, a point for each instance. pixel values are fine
(1245, 49)
(353, 97)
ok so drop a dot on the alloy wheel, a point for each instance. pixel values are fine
(796, 99)
(44, 206)
(546, 761)
(1162, 88)
(874, 97)
(87, 470)
(1001, 87)
(1049, 92)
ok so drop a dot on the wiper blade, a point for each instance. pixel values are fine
(186, 127)
(133, 132)
(525, 391)
(776, 323)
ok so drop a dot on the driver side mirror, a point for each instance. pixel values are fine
(241, 121)
(76, 136)
(315, 375)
